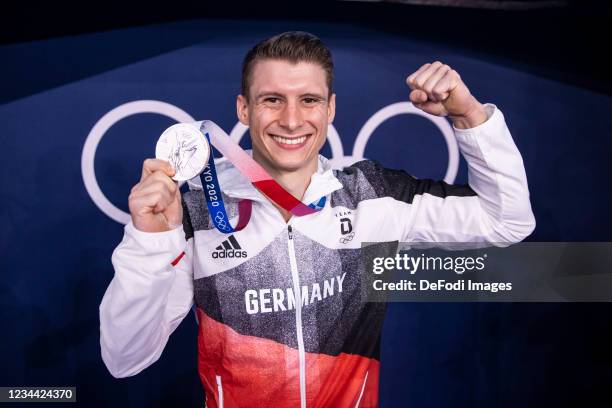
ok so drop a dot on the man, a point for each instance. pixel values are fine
(281, 319)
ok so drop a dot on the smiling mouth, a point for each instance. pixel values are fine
(289, 141)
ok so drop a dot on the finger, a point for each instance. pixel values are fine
(153, 200)
(168, 201)
(157, 176)
(156, 189)
(151, 165)
(433, 80)
(147, 203)
(417, 96)
(160, 207)
(445, 85)
(177, 195)
(164, 178)
(420, 79)
(153, 187)
(410, 79)
(157, 181)
(433, 108)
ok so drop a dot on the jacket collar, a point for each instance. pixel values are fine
(235, 184)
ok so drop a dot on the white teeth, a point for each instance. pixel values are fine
(287, 141)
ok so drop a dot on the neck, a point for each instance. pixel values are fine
(294, 181)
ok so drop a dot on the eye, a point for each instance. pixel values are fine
(310, 101)
(272, 100)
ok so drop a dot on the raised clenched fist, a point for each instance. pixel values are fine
(438, 89)
(155, 202)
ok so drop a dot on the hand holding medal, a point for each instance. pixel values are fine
(155, 202)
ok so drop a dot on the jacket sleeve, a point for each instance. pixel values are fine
(494, 207)
(150, 294)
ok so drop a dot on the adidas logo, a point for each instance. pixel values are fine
(230, 248)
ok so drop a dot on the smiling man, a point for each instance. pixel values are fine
(284, 323)
(287, 104)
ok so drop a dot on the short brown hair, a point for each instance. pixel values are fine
(292, 46)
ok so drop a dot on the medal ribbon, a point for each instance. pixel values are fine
(253, 171)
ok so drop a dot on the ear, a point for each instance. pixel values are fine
(242, 110)
(331, 108)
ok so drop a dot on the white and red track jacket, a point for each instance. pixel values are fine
(281, 319)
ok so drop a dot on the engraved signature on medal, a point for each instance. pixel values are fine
(183, 152)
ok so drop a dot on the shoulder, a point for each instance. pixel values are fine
(364, 180)
(400, 185)
(383, 181)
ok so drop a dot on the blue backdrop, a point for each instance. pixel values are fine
(56, 242)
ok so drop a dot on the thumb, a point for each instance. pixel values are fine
(177, 195)
(174, 211)
(418, 96)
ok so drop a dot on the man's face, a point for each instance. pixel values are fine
(288, 110)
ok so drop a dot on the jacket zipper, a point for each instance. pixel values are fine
(362, 390)
(298, 316)
(220, 391)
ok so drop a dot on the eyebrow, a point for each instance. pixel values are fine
(313, 95)
(278, 95)
(264, 94)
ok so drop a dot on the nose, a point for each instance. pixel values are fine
(291, 117)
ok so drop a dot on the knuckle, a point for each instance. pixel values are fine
(132, 200)
(159, 175)
(169, 184)
(166, 165)
(168, 190)
(135, 190)
(159, 185)
(166, 199)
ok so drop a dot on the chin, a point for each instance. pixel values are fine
(290, 160)
(289, 165)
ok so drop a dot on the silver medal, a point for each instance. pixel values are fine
(185, 148)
